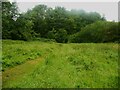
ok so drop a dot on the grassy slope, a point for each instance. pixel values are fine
(62, 65)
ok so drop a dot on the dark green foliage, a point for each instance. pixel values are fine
(44, 40)
(101, 31)
(112, 33)
(58, 24)
(9, 12)
(24, 30)
(61, 36)
(51, 34)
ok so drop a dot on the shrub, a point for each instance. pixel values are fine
(101, 31)
(61, 36)
(51, 35)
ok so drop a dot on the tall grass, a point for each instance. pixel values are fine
(85, 65)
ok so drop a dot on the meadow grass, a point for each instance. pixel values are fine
(85, 65)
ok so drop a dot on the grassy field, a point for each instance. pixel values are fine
(39, 64)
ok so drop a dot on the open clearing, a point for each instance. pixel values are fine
(37, 64)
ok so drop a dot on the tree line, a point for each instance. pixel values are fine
(59, 24)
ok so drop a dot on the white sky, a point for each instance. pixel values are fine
(107, 7)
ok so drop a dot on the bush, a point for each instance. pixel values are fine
(18, 35)
(101, 31)
(51, 34)
(43, 40)
(61, 36)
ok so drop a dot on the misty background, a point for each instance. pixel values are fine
(107, 9)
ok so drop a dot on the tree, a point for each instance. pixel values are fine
(101, 31)
(57, 23)
(9, 11)
(112, 33)
(23, 29)
(38, 16)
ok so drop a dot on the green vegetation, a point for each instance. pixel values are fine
(56, 65)
(59, 24)
(17, 52)
(98, 32)
(60, 49)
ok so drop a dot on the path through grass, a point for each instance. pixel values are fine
(85, 65)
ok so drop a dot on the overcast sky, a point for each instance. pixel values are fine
(109, 9)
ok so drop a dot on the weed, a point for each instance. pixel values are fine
(85, 65)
